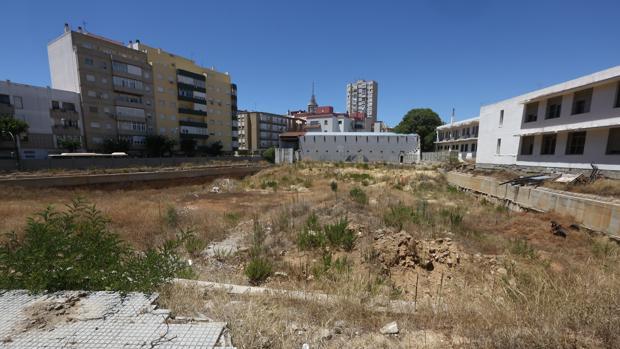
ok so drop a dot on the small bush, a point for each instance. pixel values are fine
(273, 184)
(193, 244)
(359, 196)
(310, 239)
(232, 218)
(258, 270)
(338, 235)
(521, 247)
(359, 177)
(74, 250)
(172, 216)
(333, 185)
(399, 214)
(365, 182)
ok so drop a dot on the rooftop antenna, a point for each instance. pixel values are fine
(84, 26)
(452, 118)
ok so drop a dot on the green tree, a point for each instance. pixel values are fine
(11, 128)
(158, 145)
(270, 155)
(422, 121)
(188, 146)
(69, 144)
(213, 149)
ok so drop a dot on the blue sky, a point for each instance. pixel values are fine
(438, 54)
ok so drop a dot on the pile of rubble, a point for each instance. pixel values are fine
(401, 249)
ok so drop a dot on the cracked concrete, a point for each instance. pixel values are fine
(74, 319)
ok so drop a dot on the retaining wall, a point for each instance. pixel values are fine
(599, 215)
(77, 180)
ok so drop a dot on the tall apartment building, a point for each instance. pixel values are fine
(362, 99)
(259, 131)
(191, 102)
(115, 83)
(52, 116)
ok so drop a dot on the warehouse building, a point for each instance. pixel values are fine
(359, 147)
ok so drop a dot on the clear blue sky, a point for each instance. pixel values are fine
(430, 53)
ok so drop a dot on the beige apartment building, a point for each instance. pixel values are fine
(115, 83)
(259, 131)
(191, 102)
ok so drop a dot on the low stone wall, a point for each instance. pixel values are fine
(599, 215)
(112, 178)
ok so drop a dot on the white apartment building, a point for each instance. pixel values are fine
(565, 126)
(329, 123)
(461, 136)
(52, 115)
(359, 147)
(362, 99)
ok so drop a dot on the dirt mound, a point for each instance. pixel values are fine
(399, 249)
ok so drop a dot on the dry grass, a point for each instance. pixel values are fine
(516, 286)
(602, 187)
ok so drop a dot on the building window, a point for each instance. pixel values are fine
(554, 107)
(618, 96)
(582, 101)
(473, 147)
(548, 144)
(93, 109)
(18, 102)
(613, 141)
(90, 78)
(527, 145)
(531, 112)
(68, 106)
(55, 105)
(576, 143)
(88, 61)
(501, 118)
(499, 146)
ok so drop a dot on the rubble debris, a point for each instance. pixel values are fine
(530, 180)
(400, 249)
(391, 328)
(558, 230)
(569, 178)
(73, 319)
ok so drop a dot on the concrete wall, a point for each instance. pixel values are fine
(358, 147)
(97, 163)
(602, 114)
(598, 215)
(76, 180)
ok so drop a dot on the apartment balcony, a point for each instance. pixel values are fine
(71, 129)
(129, 90)
(192, 111)
(191, 87)
(186, 135)
(192, 99)
(192, 123)
(61, 113)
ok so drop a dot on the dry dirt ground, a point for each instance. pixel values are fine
(481, 276)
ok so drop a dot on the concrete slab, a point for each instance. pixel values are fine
(74, 319)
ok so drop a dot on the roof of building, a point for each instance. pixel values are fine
(361, 134)
(461, 123)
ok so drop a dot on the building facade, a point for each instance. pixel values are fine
(359, 147)
(191, 102)
(362, 99)
(115, 84)
(330, 122)
(566, 126)
(52, 116)
(259, 130)
(460, 136)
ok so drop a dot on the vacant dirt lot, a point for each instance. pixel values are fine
(481, 276)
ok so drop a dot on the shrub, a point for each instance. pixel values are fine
(359, 196)
(309, 239)
(270, 155)
(399, 214)
(273, 184)
(258, 270)
(333, 185)
(74, 250)
(172, 216)
(338, 235)
(193, 244)
(521, 247)
(232, 218)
